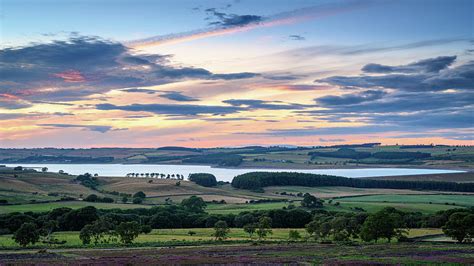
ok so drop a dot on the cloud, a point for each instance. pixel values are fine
(231, 20)
(428, 66)
(267, 105)
(13, 102)
(101, 129)
(178, 96)
(362, 49)
(82, 66)
(460, 77)
(170, 95)
(233, 23)
(234, 106)
(173, 109)
(138, 90)
(297, 37)
(331, 140)
(298, 132)
(430, 95)
(349, 99)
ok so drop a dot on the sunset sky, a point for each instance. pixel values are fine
(136, 73)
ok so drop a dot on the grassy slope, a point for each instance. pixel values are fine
(36, 186)
(43, 207)
(29, 186)
(453, 177)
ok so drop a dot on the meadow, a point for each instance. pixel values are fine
(178, 237)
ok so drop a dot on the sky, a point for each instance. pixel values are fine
(142, 73)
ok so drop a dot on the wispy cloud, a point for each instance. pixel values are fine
(97, 128)
(232, 23)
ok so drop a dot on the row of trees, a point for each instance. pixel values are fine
(156, 175)
(257, 180)
(353, 154)
(100, 226)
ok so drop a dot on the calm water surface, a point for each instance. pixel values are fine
(222, 174)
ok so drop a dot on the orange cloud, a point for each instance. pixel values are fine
(70, 76)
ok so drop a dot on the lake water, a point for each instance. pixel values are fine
(222, 174)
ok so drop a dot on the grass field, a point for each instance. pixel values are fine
(370, 203)
(458, 200)
(179, 235)
(42, 207)
(237, 208)
(467, 177)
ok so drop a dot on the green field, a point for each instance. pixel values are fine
(446, 199)
(180, 235)
(237, 208)
(371, 203)
(43, 207)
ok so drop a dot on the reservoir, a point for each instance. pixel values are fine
(222, 174)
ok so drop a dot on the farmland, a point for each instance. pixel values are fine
(42, 193)
(441, 156)
(177, 237)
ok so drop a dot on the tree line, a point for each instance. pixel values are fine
(353, 154)
(105, 226)
(258, 180)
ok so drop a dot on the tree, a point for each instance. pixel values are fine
(101, 231)
(27, 234)
(460, 226)
(194, 204)
(310, 201)
(221, 230)
(145, 229)
(340, 227)
(294, 235)
(44, 169)
(125, 199)
(382, 224)
(46, 233)
(264, 227)
(312, 228)
(128, 231)
(139, 194)
(137, 201)
(250, 229)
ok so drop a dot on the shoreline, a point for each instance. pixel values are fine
(272, 167)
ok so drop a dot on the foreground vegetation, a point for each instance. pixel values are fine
(311, 253)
